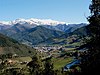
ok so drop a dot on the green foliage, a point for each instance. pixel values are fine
(48, 67)
(36, 35)
(91, 58)
(10, 46)
(35, 66)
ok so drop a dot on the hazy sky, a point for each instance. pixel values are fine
(70, 11)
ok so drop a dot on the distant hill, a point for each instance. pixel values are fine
(36, 35)
(8, 45)
(41, 35)
(15, 29)
(69, 38)
(3, 27)
(66, 28)
(83, 31)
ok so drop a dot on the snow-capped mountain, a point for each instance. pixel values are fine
(24, 24)
(28, 23)
(32, 21)
(36, 29)
(4, 25)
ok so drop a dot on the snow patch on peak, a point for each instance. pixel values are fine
(45, 21)
(5, 23)
(33, 21)
(20, 21)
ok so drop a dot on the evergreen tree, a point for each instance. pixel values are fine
(91, 59)
(48, 67)
(35, 65)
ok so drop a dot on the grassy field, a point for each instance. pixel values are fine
(22, 59)
(58, 62)
(61, 62)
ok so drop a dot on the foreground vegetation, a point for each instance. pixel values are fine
(34, 65)
(19, 59)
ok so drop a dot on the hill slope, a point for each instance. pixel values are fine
(36, 35)
(8, 45)
(69, 38)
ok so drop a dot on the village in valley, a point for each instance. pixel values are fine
(61, 57)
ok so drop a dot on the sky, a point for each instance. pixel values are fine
(70, 11)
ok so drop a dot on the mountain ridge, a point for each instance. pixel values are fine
(22, 24)
(32, 21)
(74, 36)
(37, 34)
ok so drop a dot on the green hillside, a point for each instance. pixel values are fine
(8, 45)
(69, 39)
(36, 35)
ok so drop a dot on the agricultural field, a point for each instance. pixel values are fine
(61, 62)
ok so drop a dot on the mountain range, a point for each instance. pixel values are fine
(69, 38)
(48, 23)
(34, 31)
(36, 35)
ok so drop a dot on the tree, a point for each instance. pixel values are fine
(35, 65)
(95, 7)
(91, 62)
(48, 67)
